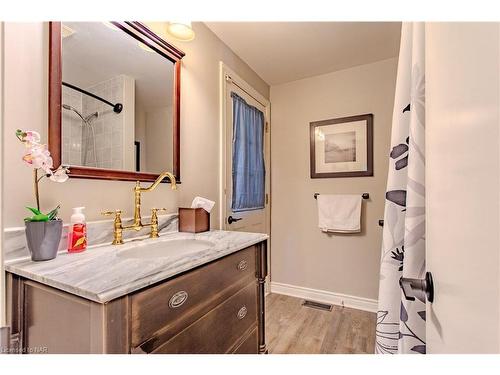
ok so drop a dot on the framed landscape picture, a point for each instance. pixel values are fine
(342, 147)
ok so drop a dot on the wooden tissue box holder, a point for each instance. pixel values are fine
(193, 220)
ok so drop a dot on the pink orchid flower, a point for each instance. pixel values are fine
(32, 136)
(38, 157)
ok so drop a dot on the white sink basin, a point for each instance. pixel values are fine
(165, 249)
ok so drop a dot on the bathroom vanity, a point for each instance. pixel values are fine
(204, 294)
(179, 293)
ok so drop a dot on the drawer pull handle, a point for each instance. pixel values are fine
(178, 299)
(242, 312)
(243, 265)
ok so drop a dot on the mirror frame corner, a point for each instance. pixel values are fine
(141, 32)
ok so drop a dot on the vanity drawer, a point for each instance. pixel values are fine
(160, 312)
(250, 344)
(220, 329)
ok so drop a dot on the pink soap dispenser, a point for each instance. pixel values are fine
(77, 231)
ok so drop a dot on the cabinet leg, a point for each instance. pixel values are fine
(262, 325)
(261, 282)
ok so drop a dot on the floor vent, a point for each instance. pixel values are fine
(317, 305)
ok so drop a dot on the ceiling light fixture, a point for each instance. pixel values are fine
(66, 31)
(182, 31)
(178, 30)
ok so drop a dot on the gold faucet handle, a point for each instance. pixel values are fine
(154, 214)
(118, 228)
(115, 212)
(154, 221)
(156, 210)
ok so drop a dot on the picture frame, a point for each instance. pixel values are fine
(342, 147)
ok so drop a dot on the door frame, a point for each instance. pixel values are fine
(224, 70)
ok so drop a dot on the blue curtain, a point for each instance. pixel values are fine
(248, 156)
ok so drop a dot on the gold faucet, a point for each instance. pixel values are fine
(137, 223)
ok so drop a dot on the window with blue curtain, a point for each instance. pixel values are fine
(249, 170)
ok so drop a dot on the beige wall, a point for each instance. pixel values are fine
(158, 132)
(128, 123)
(140, 134)
(200, 117)
(26, 65)
(301, 254)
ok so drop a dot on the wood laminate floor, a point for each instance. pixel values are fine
(294, 329)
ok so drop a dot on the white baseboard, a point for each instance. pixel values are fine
(324, 296)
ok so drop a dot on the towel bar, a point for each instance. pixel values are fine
(364, 195)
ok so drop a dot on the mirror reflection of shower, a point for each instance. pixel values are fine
(88, 133)
(92, 125)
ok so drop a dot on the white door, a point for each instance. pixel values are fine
(251, 220)
(462, 186)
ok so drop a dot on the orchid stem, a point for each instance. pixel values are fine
(35, 187)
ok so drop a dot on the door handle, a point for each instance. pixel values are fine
(418, 288)
(231, 219)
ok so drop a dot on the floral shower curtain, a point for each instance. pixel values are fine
(401, 323)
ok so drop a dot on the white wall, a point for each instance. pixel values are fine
(26, 65)
(301, 254)
(462, 186)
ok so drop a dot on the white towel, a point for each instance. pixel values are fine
(339, 213)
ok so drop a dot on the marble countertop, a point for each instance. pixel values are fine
(101, 275)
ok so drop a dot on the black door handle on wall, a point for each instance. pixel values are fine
(231, 219)
(418, 288)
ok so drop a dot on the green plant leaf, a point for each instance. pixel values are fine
(20, 134)
(52, 214)
(34, 210)
(40, 217)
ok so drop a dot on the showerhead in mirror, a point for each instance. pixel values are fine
(85, 119)
(87, 125)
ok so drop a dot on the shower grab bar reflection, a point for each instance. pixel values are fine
(117, 108)
(364, 195)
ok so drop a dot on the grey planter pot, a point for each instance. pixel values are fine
(43, 239)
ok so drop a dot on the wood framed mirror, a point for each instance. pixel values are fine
(114, 100)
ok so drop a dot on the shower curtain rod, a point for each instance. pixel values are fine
(117, 108)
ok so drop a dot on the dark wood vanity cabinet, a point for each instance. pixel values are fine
(215, 308)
